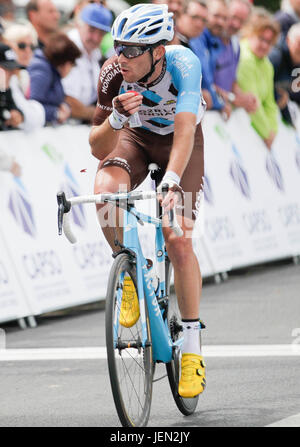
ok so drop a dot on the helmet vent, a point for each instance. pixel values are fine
(121, 26)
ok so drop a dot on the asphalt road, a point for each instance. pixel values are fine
(259, 306)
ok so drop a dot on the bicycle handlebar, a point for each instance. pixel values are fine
(65, 206)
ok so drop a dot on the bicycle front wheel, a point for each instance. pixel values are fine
(187, 406)
(130, 364)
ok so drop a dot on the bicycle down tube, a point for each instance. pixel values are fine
(161, 341)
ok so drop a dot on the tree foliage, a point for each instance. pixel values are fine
(271, 5)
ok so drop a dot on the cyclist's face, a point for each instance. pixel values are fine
(136, 68)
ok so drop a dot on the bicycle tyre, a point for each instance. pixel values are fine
(186, 406)
(133, 398)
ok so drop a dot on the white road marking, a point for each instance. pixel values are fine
(292, 421)
(99, 353)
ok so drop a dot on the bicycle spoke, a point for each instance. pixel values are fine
(133, 387)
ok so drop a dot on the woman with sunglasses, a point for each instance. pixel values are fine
(23, 40)
(149, 110)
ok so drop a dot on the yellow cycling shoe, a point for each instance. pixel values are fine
(130, 310)
(192, 381)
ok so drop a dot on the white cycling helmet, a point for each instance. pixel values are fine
(144, 24)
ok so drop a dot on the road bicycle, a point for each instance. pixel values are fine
(156, 336)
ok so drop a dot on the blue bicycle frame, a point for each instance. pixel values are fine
(161, 340)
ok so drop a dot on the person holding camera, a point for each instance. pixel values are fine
(10, 116)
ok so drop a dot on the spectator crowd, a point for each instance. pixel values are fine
(49, 67)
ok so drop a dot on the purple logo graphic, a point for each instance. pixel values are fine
(274, 172)
(208, 194)
(71, 187)
(240, 178)
(21, 209)
(239, 175)
(220, 229)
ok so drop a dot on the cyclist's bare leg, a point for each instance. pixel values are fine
(111, 179)
(188, 286)
(187, 275)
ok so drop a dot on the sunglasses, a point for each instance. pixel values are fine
(23, 45)
(130, 52)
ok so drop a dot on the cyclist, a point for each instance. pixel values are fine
(162, 85)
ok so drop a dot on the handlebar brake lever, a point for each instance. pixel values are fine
(64, 206)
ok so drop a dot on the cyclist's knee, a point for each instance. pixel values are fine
(111, 179)
(179, 249)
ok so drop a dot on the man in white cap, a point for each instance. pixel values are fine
(80, 85)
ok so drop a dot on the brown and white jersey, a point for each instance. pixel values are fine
(178, 89)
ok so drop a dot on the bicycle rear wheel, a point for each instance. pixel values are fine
(187, 406)
(130, 364)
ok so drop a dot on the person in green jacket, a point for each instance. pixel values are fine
(256, 74)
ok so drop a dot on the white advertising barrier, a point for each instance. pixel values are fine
(287, 154)
(53, 273)
(252, 212)
(48, 272)
(248, 193)
(274, 182)
(13, 305)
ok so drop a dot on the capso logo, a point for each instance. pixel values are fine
(21, 209)
(91, 256)
(219, 229)
(274, 172)
(257, 222)
(290, 215)
(71, 188)
(42, 265)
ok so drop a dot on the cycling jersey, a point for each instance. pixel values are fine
(177, 89)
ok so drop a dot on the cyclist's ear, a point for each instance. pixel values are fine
(159, 52)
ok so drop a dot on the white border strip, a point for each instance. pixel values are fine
(99, 353)
(292, 421)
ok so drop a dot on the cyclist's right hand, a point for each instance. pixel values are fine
(124, 106)
(127, 103)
